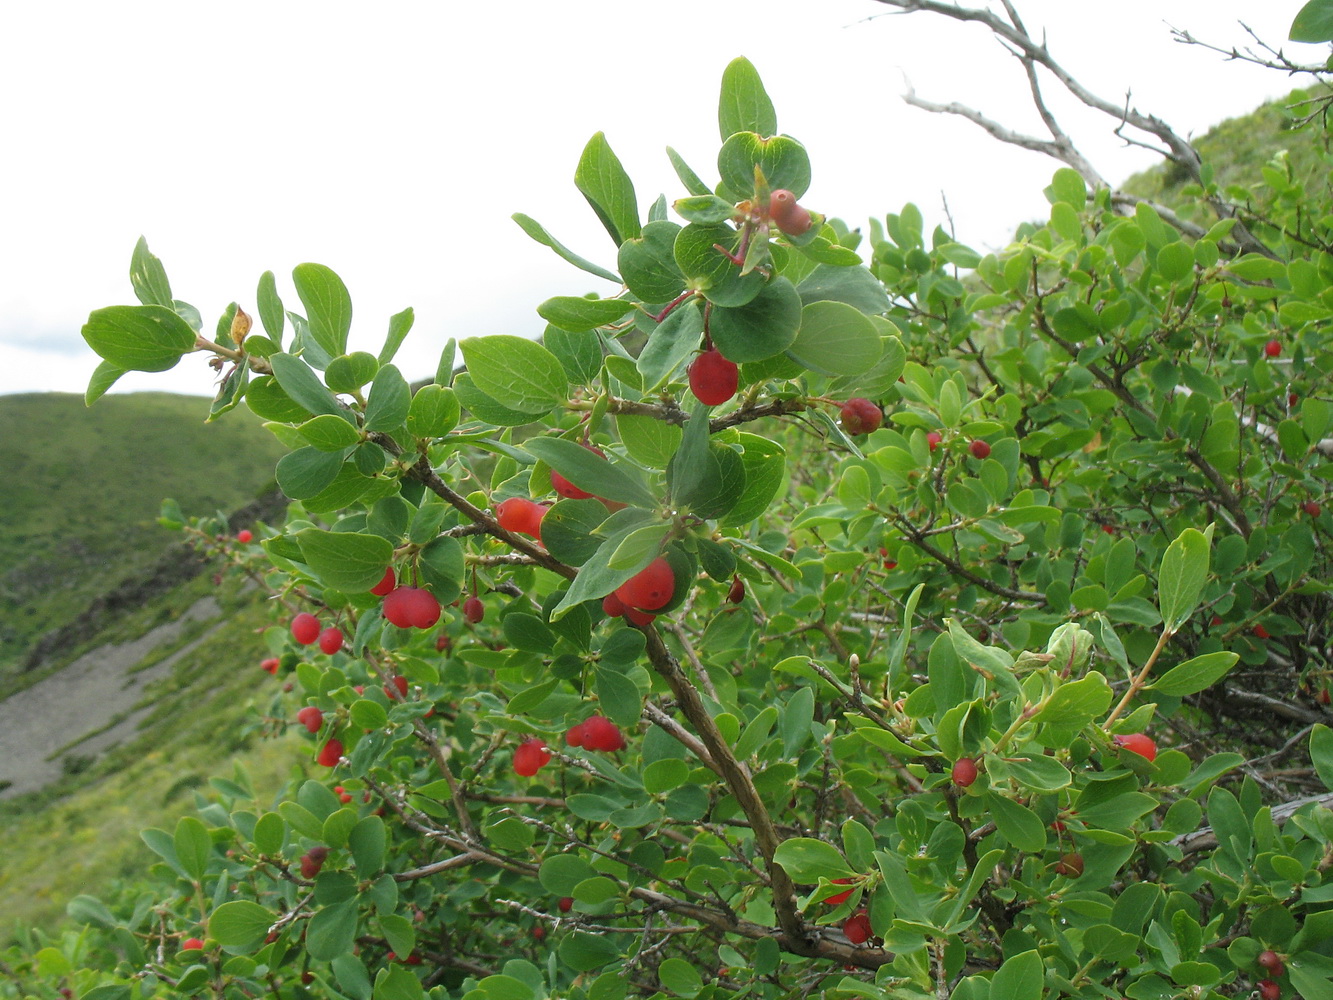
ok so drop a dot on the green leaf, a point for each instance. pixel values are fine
(1196, 674)
(1321, 753)
(344, 560)
(193, 846)
(400, 324)
(765, 464)
(639, 547)
(1019, 978)
(434, 412)
(809, 860)
(139, 338)
(671, 342)
(798, 715)
(352, 976)
(306, 472)
(329, 433)
(484, 408)
(1180, 579)
(1075, 703)
(302, 385)
(855, 286)
(559, 873)
(518, 373)
(707, 209)
(619, 697)
(744, 105)
(239, 923)
(1017, 823)
(680, 977)
(760, 329)
(782, 160)
(1313, 22)
(609, 191)
(835, 339)
(648, 264)
(578, 315)
(688, 178)
(389, 400)
(104, 376)
(1069, 187)
(534, 229)
(332, 931)
(1175, 261)
(328, 306)
(648, 440)
(271, 314)
(149, 278)
(589, 471)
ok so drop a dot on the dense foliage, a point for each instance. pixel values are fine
(674, 690)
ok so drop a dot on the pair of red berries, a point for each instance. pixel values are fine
(312, 861)
(860, 416)
(788, 214)
(531, 756)
(596, 732)
(411, 607)
(647, 590)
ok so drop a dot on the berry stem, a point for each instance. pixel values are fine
(680, 299)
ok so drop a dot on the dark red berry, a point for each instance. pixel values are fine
(1271, 961)
(979, 449)
(473, 610)
(1269, 990)
(640, 618)
(713, 379)
(1311, 508)
(566, 904)
(1260, 632)
(857, 927)
(312, 861)
(331, 640)
(861, 416)
(736, 593)
(1069, 865)
(964, 771)
(600, 733)
(612, 606)
(1273, 348)
(305, 628)
(563, 487)
(399, 685)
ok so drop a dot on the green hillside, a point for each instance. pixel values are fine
(83, 488)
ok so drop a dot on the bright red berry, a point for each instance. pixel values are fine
(523, 516)
(563, 487)
(270, 665)
(1311, 508)
(331, 753)
(530, 757)
(838, 898)
(245, 536)
(933, 438)
(979, 449)
(575, 736)
(713, 379)
(600, 733)
(1269, 990)
(1273, 348)
(650, 588)
(192, 944)
(411, 607)
(857, 927)
(1139, 743)
(1260, 632)
(311, 717)
(1271, 961)
(860, 416)
(1069, 865)
(473, 610)
(566, 904)
(386, 584)
(331, 640)
(305, 628)
(787, 214)
(964, 771)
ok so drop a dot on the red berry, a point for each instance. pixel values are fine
(861, 416)
(600, 733)
(1292, 398)
(270, 665)
(386, 584)
(310, 717)
(312, 861)
(650, 588)
(473, 610)
(531, 756)
(857, 927)
(640, 618)
(1139, 743)
(1269, 990)
(399, 685)
(933, 438)
(1069, 865)
(787, 213)
(713, 379)
(737, 592)
(331, 752)
(964, 771)
(979, 449)
(411, 607)
(1311, 508)
(612, 606)
(1271, 961)
(331, 640)
(1109, 529)
(575, 736)
(566, 904)
(443, 644)
(1273, 348)
(1325, 697)
(1260, 632)
(841, 897)
(305, 628)
(245, 536)
(522, 516)
(563, 487)
(192, 944)
(539, 932)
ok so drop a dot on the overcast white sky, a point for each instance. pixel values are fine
(392, 141)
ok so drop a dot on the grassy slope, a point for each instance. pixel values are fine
(82, 490)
